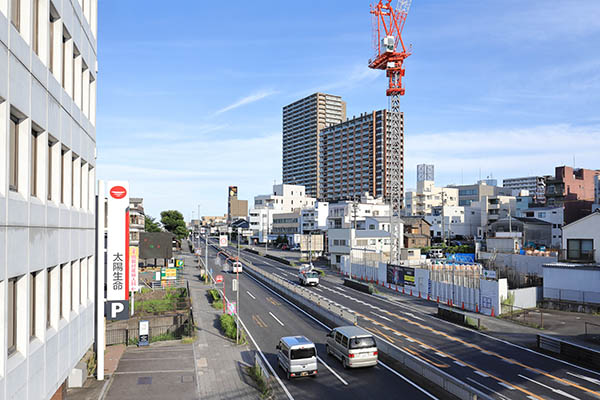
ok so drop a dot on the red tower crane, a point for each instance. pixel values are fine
(390, 53)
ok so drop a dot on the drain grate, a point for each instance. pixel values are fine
(144, 380)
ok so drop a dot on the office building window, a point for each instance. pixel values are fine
(72, 281)
(63, 173)
(53, 21)
(11, 332)
(34, 164)
(61, 288)
(49, 290)
(15, 13)
(13, 150)
(36, 26)
(33, 278)
(50, 161)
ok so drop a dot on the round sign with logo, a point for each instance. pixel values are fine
(118, 192)
(219, 278)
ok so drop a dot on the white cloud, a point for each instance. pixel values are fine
(247, 100)
(504, 152)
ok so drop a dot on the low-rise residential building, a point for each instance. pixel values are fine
(314, 218)
(215, 220)
(347, 214)
(427, 196)
(286, 224)
(136, 220)
(494, 208)
(417, 232)
(552, 215)
(576, 276)
(534, 232)
(454, 222)
(285, 199)
(358, 244)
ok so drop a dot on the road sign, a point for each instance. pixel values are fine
(144, 333)
(117, 310)
(247, 232)
(231, 307)
(234, 285)
(179, 263)
(229, 229)
(219, 278)
(223, 240)
(202, 231)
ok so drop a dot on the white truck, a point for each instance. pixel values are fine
(307, 276)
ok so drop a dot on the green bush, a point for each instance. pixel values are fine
(218, 304)
(263, 386)
(215, 294)
(229, 327)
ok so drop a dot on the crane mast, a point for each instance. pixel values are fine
(390, 53)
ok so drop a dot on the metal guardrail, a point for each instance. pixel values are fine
(575, 352)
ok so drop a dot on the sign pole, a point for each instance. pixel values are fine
(100, 339)
(237, 301)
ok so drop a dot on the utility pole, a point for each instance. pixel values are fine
(443, 219)
(267, 230)
(237, 293)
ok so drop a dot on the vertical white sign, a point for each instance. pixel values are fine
(117, 268)
(133, 269)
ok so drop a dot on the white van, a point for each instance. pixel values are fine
(297, 356)
(236, 267)
(353, 346)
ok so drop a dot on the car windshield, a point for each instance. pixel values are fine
(312, 274)
(298, 354)
(362, 343)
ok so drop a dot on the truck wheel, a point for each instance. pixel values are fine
(345, 363)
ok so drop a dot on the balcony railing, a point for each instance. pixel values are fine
(577, 256)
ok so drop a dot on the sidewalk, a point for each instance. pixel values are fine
(219, 362)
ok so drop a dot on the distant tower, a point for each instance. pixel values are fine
(425, 172)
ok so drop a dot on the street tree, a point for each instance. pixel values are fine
(172, 221)
(150, 224)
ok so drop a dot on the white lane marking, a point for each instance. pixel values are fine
(585, 378)
(509, 387)
(381, 316)
(410, 340)
(558, 391)
(318, 289)
(397, 333)
(407, 380)
(276, 319)
(340, 289)
(488, 388)
(441, 354)
(328, 329)
(332, 371)
(424, 347)
(459, 363)
(412, 315)
(531, 398)
(289, 395)
(483, 374)
(250, 294)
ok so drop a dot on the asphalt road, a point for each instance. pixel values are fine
(268, 317)
(497, 368)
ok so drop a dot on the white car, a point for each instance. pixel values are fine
(236, 267)
(307, 276)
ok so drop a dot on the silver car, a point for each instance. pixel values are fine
(297, 356)
(353, 346)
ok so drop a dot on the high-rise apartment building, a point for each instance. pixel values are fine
(353, 159)
(47, 193)
(302, 122)
(573, 189)
(536, 185)
(425, 172)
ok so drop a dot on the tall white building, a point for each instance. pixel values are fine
(47, 192)
(348, 214)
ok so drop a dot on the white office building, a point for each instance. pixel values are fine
(47, 192)
(314, 218)
(348, 214)
(536, 185)
(454, 222)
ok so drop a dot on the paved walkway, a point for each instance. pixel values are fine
(220, 363)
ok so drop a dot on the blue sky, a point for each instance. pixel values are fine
(191, 93)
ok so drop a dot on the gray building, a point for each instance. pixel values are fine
(536, 185)
(302, 122)
(352, 158)
(470, 193)
(425, 172)
(534, 231)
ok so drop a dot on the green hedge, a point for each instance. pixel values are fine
(228, 325)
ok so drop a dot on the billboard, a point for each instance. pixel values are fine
(311, 243)
(401, 276)
(117, 269)
(156, 245)
(233, 191)
(133, 268)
